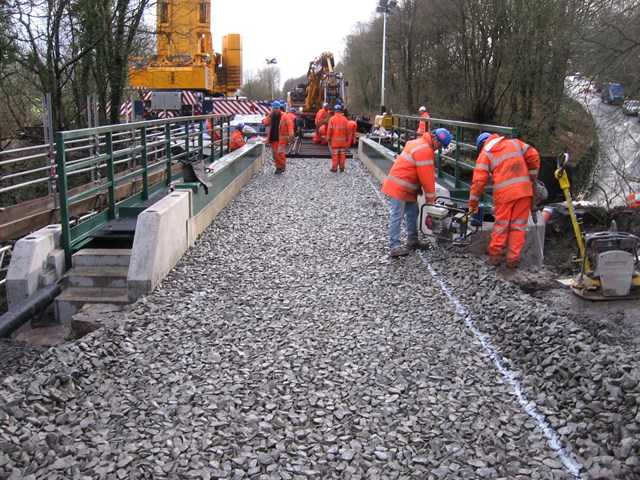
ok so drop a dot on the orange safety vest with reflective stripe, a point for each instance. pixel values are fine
(513, 165)
(319, 136)
(352, 127)
(236, 140)
(633, 200)
(338, 131)
(321, 115)
(422, 126)
(414, 168)
(285, 127)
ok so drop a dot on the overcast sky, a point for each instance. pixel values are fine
(294, 32)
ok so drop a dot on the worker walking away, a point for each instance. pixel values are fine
(412, 171)
(278, 135)
(352, 128)
(236, 140)
(338, 139)
(423, 126)
(514, 166)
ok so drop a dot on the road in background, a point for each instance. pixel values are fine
(618, 171)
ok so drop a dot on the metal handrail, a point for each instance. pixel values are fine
(118, 145)
(3, 251)
(460, 131)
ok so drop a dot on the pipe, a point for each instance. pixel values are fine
(28, 308)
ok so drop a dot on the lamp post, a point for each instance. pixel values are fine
(271, 61)
(384, 7)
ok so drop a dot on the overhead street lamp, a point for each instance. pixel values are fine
(384, 7)
(271, 61)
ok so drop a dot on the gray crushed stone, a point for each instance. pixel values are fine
(286, 344)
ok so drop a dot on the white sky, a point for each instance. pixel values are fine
(294, 32)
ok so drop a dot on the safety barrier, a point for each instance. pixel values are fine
(122, 156)
(459, 160)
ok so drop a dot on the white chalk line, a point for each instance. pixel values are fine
(528, 406)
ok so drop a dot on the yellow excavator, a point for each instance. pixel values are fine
(323, 85)
(608, 260)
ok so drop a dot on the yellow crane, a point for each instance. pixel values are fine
(184, 58)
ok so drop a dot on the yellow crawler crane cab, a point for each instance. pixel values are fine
(608, 260)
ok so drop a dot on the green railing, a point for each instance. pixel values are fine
(461, 160)
(110, 168)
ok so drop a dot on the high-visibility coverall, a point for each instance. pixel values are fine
(320, 135)
(338, 140)
(424, 126)
(413, 170)
(236, 140)
(321, 115)
(633, 200)
(278, 135)
(513, 165)
(352, 127)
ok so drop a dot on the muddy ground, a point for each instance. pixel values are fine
(613, 322)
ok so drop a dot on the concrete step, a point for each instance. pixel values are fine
(102, 277)
(70, 301)
(94, 257)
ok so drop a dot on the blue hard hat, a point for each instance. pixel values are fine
(481, 139)
(293, 109)
(325, 104)
(240, 126)
(444, 136)
(275, 104)
(283, 103)
(338, 107)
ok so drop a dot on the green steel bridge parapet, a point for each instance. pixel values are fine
(116, 154)
(460, 157)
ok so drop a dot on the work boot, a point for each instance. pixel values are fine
(493, 260)
(418, 245)
(278, 171)
(513, 263)
(398, 251)
(334, 170)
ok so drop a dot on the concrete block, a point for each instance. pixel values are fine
(160, 240)
(28, 260)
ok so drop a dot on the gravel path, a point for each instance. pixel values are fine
(287, 345)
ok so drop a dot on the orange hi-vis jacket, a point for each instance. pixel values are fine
(320, 135)
(414, 168)
(513, 165)
(236, 140)
(321, 115)
(352, 127)
(633, 200)
(338, 131)
(285, 128)
(422, 126)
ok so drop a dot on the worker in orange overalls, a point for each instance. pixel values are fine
(322, 115)
(413, 171)
(352, 128)
(633, 200)
(514, 166)
(236, 140)
(320, 135)
(278, 135)
(338, 138)
(423, 126)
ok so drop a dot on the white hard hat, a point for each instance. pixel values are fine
(422, 109)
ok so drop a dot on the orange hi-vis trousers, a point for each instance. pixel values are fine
(509, 228)
(338, 158)
(279, 157)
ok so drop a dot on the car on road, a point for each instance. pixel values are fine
(612, 93)
(631, 107)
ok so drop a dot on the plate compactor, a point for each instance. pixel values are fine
(608, 260)
(449, 220)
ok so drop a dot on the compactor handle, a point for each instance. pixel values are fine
(563, 160)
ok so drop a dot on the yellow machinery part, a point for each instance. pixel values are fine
(185, 58)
